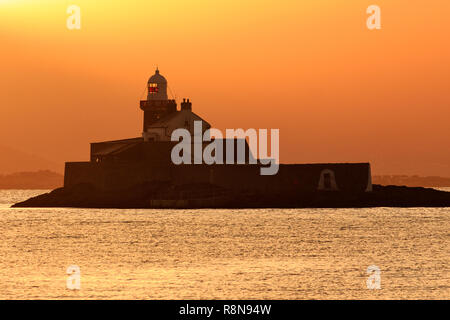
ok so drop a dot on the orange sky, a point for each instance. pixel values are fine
(337, 91)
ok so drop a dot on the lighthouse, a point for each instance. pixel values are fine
(135, 165)
(161, 116)
(157, 105)
(157, 87)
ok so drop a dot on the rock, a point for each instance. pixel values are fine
(164, 195)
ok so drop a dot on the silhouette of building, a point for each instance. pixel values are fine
(146, 159)
(161, 117)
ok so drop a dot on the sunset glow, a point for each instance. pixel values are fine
(225, 159)
(337, 91)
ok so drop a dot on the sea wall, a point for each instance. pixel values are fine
(351, 177)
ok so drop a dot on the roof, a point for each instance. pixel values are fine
(138, 139)
(114, 147)
(157, 78)
(177, 119)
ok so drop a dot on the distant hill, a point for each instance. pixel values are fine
(32, 180)
(411, 181)
(13, 160)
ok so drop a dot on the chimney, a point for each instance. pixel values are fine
(186, 105)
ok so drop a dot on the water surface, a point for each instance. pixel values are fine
(223, 254)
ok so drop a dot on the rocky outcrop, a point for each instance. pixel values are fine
(165, 195)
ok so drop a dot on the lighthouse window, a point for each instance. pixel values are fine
(152, 87)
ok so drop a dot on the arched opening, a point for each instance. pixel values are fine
(327, 180)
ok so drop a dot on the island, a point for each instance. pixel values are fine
(141, 172)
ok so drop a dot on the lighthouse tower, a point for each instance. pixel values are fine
(157, 104)
(161, 117)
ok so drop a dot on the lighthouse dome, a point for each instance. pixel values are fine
(157, 87)
(157, 78)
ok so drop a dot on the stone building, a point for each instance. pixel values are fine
(146, 159)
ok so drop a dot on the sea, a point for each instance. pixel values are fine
(375, 253)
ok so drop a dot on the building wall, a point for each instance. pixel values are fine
(125, 163)
(239, 178)
(155, 110)
(151, 152)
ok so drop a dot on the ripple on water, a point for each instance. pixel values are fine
(223, 254)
